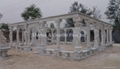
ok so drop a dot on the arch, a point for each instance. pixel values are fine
(82, 38)
(14, 35)
(37, 35)
(92, 35)
(105, 36)
(49, 35)
(69, 33)
(52, 26)
(20, 34)
(100, 36)
(83, 22)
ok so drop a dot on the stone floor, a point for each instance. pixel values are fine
(109, 59)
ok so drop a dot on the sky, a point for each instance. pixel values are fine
(12, 9)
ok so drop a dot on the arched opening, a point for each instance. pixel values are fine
(69, 34)
(49, 35)
(14, 35)
(108, 36)
(83, 22)
(100, 37)
(20, 34)
(37, 37)
(105, 36)
(92, 35)
(82, 38)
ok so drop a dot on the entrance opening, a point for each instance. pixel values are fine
(91, 35)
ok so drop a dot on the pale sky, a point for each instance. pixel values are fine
(12, 9)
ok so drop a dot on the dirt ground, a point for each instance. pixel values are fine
(109, 59)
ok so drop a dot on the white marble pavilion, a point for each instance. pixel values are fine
(88, 36)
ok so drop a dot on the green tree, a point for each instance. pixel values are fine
(78, 7)
(96, 13)
(75, 7)
(4, 28)
(31, 12)
(112, 10)
(113, 13)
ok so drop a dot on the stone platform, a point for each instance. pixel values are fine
(3, 50)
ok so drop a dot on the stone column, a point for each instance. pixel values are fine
(103, 38)
(58, 34)
(44, 37)
(28, 34)
(110, 32)
(11, 36)
(52, 39)
(65, 36)
(88, 37)
(76, 39)
(22, 36)
(107, 36)
(96, 38)
(25, 34)
(18, 36)
(33, 36)
(76, 34)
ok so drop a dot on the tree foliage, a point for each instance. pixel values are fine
(5, 29)
(113, 13)
(4, 26)
(31, 12)
(78, 7)
(96, 13)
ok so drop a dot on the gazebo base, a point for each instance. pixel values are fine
(3, 51)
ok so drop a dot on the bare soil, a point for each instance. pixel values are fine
(109, 59)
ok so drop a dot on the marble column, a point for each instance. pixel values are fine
(44, 37)
(96, 38)
(22, 36)
(110, 32)
(33, 36)
(88, 37)
(76, 39)
(18, 40)
(25, 34)
(28, 34)
(65, 36)
(58, 34)
(103, 38)
(52, 39)
(107, 36)
(76, 33)
(11, 36)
